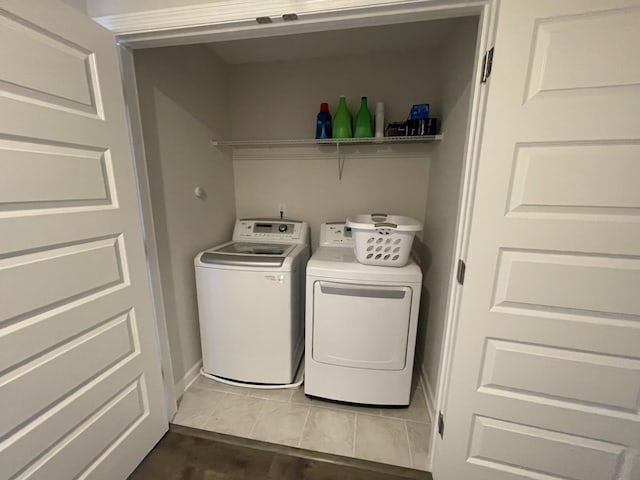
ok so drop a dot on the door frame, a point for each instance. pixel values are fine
(175, 26)
(132, 106)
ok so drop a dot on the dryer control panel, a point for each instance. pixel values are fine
(335, 234)
(271, 230)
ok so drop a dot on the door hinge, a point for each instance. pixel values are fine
(461, 270)
(487, 65)
(441, 425)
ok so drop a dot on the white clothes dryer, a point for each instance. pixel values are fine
(361, 324)
(251, 302)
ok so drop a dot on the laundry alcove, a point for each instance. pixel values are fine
(234, 119)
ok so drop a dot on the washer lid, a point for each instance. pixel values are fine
(248, 254)
(341, 263)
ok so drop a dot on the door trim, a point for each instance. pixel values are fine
(236, 19)
(132, 105)
(486, 38)
(164, 28)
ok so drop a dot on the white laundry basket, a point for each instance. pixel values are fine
(381, 239)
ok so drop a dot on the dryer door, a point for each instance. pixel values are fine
(361, 326)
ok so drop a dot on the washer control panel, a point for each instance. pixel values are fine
(335, 234)
(288, 231)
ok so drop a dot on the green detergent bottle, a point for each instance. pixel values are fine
(364, 123)
(342, 120)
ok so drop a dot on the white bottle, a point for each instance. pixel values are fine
(379, 120)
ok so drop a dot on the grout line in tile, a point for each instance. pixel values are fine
(364, 413)
(219, 390)
(304, 426)
(279, 400)
(235, 394)
(255, 422)
(255, 394)
(337, 409)
(215, 408)
(406, 431)
(355, 434)
(410, 420)
(426, 421)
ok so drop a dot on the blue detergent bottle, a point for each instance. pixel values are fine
(323, 124)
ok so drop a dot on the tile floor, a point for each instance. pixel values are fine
(397, 436)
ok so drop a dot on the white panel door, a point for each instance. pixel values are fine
(545, 380)
(80, 383)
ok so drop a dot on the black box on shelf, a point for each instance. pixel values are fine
(426, 126)
(397, 129)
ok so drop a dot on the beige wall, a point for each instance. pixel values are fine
(281, 100)
(441, 216)
(312, 192)
(183, 105)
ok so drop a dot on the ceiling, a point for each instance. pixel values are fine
(354, 41)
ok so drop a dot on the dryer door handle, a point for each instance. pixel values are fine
(362, 291)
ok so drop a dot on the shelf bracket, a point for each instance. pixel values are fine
(220, 146)
(340, 161)
(216, 144)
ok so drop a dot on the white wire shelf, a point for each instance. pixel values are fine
(327, 141)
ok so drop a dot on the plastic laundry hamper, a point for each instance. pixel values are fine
(381, 239)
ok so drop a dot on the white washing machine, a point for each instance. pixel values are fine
(361, 324)
(251, 302)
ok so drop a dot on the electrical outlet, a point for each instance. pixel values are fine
(282, 210)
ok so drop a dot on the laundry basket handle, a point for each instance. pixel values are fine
(385, 225)
(378, 217)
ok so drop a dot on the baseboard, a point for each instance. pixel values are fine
(189, 377)
(428, 393)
